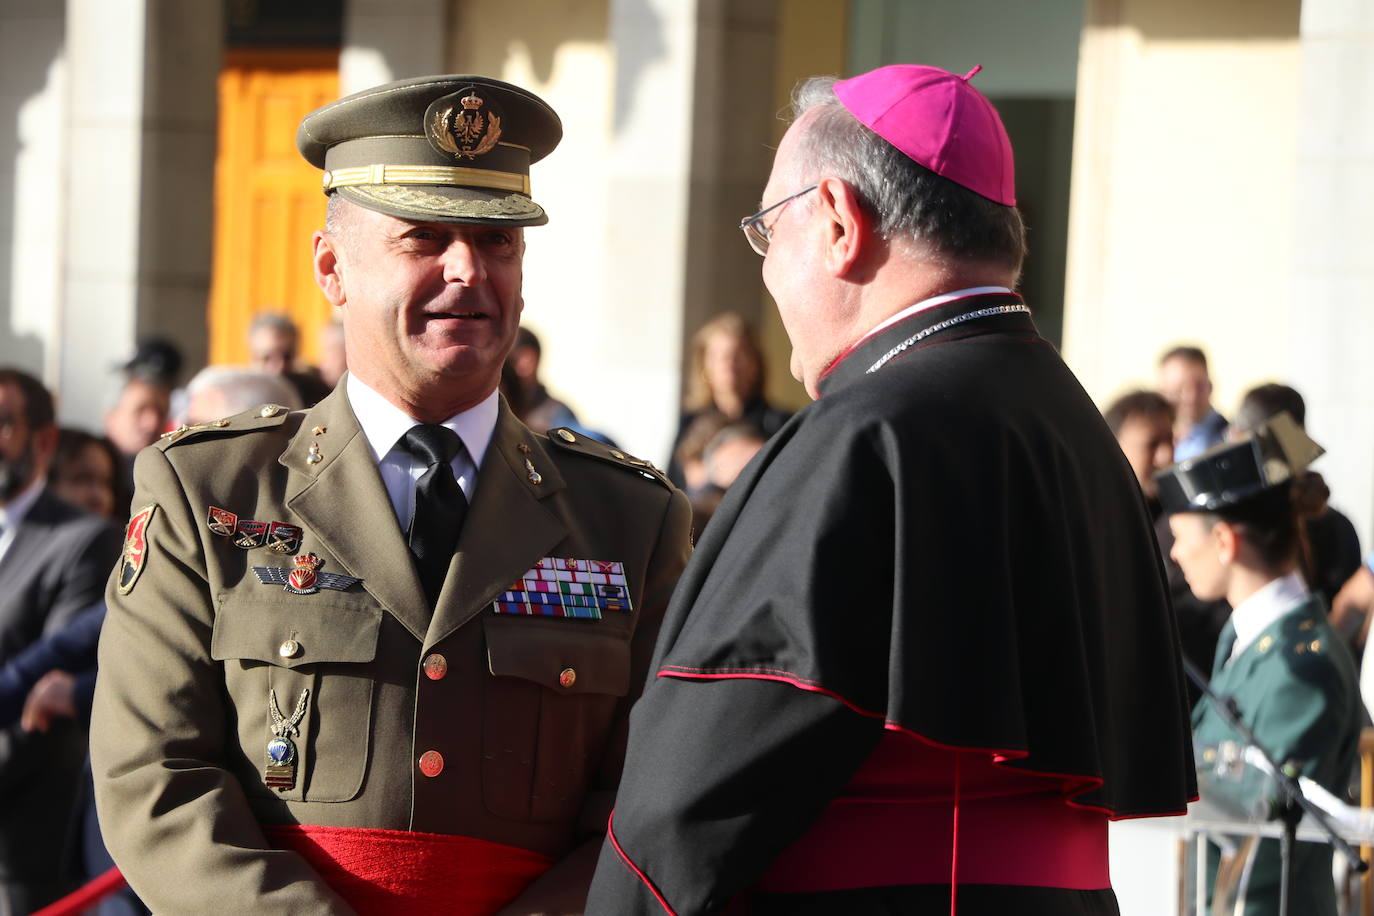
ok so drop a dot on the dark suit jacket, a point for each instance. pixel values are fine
(57, 565)
(71, 649)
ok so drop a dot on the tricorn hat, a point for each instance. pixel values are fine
(451, 149)
(1235, 473)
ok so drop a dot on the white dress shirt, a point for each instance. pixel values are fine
(1254, 615)
(383, 424)
(12, 514)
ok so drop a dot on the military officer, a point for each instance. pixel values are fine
(312, 697)
(1236, 514)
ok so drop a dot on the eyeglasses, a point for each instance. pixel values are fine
(756, 233)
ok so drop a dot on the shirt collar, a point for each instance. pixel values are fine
(383, 423)
(1255, 614)
(934, 301)
(12, 514)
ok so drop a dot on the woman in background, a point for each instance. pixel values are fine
(727, 379)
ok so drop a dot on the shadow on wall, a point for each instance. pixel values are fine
(26, 75)
(637, 41)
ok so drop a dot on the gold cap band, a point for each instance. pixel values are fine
(456, 176)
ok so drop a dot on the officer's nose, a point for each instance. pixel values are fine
(463, 263)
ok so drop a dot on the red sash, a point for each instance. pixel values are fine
(909, 816)
(385, 872)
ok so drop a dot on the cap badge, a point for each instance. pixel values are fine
(466, 131)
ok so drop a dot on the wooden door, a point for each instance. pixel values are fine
(267, 198)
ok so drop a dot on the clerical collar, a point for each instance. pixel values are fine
(928, 318)
(1257, 613)
(383, 423)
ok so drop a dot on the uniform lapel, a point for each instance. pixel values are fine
(341, 501)
(508, 527)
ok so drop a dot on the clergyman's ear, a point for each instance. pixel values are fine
(849, 228)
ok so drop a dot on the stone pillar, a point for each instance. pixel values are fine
(387, 40)
(140, 127)
(1330, 332)
(32, 86)
(649, 169)
(731, 155)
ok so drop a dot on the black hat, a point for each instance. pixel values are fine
(451, 149)
(1234, 473)
(156, 359)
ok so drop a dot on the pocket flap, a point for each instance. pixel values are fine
(564, 656)
(290, 633)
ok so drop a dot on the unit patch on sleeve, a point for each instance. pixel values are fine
(557, 587)
(135, 553)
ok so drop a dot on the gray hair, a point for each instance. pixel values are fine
(242, 389)
(907, 200)
(275, 321)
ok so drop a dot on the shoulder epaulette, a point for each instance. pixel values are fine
(582, 444)
(265, 417)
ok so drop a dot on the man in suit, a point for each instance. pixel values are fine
(381, 653)
(54, 560)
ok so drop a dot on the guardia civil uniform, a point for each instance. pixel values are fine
(1290, 675)
(282, 724)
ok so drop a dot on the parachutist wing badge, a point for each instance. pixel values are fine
(304, 576)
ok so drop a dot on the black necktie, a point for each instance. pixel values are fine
(439, 503)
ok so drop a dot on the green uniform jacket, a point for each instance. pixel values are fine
(1298, 692)
(529, 715)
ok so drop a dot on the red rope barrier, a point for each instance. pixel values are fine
(87, 895)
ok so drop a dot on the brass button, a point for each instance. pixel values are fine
(1265, 643)
(289, 649)
(1306, 625)
(567, 677)
(1315, 645)
(431, 763)
(269, 410)
(436, 666)
(566, 436)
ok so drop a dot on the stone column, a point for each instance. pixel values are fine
(654, 45)
(32, 87)
(1330, 331)
(387, 40)
(140, 127)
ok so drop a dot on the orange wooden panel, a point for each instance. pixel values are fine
(267, 198)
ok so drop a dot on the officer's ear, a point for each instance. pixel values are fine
(848, 226)
(328, 267)
(1226, 538)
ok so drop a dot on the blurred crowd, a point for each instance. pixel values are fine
(65, 497)
(1177, 421)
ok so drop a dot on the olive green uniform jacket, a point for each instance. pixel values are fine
(1298, 692)
(531, 754)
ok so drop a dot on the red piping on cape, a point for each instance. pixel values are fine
(954, 847)
(876, 331)
(610, 833)
(1000, 756)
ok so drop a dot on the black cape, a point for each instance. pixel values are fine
(952, 546)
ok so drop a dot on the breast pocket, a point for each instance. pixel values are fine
(547, 711)
(313, 657)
